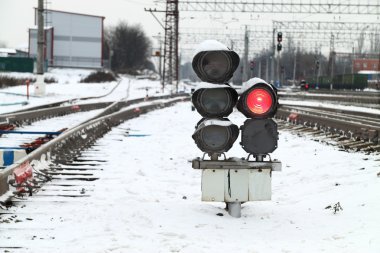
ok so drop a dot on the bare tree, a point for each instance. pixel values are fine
(130, 47)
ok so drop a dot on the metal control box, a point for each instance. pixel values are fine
(240, 185)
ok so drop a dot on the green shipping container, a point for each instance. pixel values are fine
(16, 64)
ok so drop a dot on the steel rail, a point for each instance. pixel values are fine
(70, 142)
(368, 119)
(368, 115)
(358, 129)
(375, 100)
(68, 101)
(19, 118)
(346, 92)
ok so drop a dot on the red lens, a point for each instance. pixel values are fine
(259, 101)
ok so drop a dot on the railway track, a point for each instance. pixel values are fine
(70, 143)
(48, 125)
(70, 181)
(349, 130)
(368, 99)
(39, 221)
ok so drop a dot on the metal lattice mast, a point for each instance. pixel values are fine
(170, 71)
(327, 26)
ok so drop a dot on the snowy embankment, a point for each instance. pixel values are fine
(68, 87)
(147, 199)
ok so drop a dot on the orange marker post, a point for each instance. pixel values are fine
(27, 88)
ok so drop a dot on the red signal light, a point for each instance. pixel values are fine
(259, 101)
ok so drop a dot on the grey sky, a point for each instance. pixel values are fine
(16, 16)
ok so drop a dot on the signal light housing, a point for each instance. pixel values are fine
(214, 100)
(279, 47)
(214, 136)
(259, 136)
(259, 100)
(216, 66)
(279, 37)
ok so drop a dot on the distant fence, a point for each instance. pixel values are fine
(16, 64)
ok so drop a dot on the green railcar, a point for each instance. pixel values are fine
(340, 82)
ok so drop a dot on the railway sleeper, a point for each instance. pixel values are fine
(351, 144)
(360, 146)
(376, 148)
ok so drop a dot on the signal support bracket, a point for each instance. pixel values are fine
(235, 164)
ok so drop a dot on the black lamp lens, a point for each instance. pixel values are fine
(215, 65)
(215, 101)
(215, 137)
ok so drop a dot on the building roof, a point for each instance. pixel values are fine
(8, 50)
(74, 13)
(368, 72)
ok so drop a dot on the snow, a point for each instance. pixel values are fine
(253, 81)
(8, 50)
(68, 87)
(330, 105)
(147, 199)
(210, 45)
(216, 122)
(204, 85)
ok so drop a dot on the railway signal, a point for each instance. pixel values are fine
(232, 180)
(279, 40)
(214, 99)
(279, 47)
(258, 102)
(279, 37)
(215, 134)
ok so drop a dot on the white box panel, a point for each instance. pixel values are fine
(260, 184)
(235, 185)
(213, 185)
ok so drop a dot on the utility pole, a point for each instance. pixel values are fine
(318, 73)
(159, 40)
(171, 63)
(352, 63)
(160, 61)
(171, 60)
(294, 67)
(273, 55)
(39, 86)
(332, 60)
(259, 74)
(378, 73)
(245, 58)
(278, 68)
(267, 69)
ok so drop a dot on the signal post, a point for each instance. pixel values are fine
(233, 180)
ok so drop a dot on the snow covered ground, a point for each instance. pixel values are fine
(148, 199)
(68, 87)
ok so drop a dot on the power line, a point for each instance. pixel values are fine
(283, 6)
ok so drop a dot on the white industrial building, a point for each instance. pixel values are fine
(71, 39)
